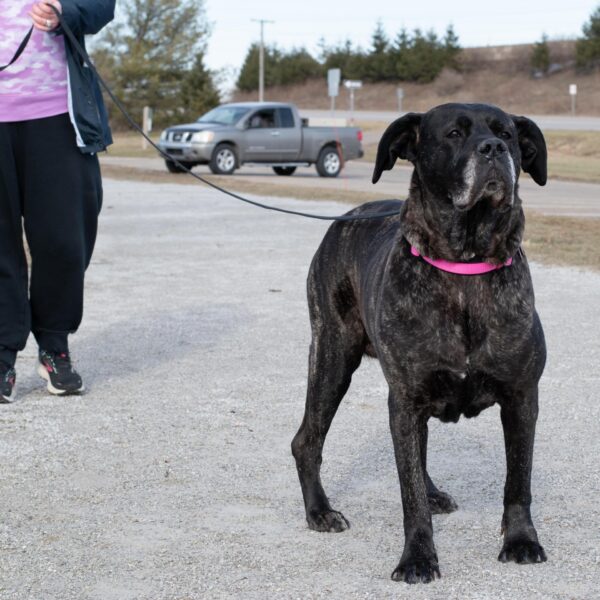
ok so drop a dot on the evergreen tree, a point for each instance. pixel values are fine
(198, 93)
(151, 54)
(451, 48)
(379, 62)
(540, 55)
(351, 61)
(400, 53)
(248, 77)
(587, 49)
(420, 57)
(281, 68)
(297, 66)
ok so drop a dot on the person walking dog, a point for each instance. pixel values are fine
(52, 125)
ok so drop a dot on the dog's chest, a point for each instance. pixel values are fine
(459, 347)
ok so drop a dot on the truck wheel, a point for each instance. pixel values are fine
(329, 163)
(284, 170)
(223, 161)
(174, 168)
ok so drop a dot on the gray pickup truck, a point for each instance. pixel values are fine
(265, 133)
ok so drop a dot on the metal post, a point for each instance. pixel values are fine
(146, 125)
(261, 64)
(573, 94)
(399, 96)
(261, 59)
(351, 85)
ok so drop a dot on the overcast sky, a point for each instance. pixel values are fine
(303, 23)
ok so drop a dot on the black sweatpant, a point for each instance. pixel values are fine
(55, 191)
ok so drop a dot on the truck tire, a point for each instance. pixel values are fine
(329, 163)
(284, 170)
(223, 160)
(174, 168)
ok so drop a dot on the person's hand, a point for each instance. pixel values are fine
(43, 17)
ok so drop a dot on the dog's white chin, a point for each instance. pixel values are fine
(501, 199)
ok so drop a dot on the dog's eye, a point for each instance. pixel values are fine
(505, 135)
(455, 133)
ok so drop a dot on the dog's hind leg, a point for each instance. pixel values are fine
(439, 502)
(335, 353)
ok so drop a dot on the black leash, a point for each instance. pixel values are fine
(19, 50)
(83, 54)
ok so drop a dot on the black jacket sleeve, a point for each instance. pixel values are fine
(87, 16)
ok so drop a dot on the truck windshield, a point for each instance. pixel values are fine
(224, 115)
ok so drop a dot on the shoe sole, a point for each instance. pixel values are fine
(43, 373)
(6, 400)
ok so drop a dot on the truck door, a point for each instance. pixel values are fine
(262, 137)
(290, 138)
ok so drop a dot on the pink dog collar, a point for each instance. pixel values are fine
(460, 268)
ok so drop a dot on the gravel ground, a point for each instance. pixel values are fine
(172, 478)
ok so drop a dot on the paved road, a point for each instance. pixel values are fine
(171, 479)
(561, 122)
(556, 198)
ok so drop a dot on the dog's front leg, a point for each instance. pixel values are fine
(519, 416)
(419, 561)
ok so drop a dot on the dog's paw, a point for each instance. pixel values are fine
(420, 570)
(331, 521)
(441, 503)
(522, 551)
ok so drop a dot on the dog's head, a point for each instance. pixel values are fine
(464, 153)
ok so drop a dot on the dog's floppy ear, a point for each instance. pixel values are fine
(534, 156)
(398, 141)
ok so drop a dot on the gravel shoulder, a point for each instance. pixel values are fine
(172, 478)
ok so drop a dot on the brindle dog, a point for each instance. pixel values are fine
(448, 344)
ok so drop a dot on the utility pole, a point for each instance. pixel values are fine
(261, 59)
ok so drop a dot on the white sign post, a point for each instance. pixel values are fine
(573, 94)
(400, 96)
(351, 86)
(333, 84)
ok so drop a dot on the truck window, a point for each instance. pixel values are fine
(224, 115)
(262, 119)
(286, 117)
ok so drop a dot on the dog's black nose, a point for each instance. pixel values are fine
(492, 147)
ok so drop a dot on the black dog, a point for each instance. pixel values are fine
(449, 344)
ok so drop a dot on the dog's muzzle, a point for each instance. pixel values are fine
(489, 175)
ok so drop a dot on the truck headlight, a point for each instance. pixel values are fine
(163, 136)
(203, 137)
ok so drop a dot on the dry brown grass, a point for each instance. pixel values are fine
(563, 240)
(129, 143)
(550, 240)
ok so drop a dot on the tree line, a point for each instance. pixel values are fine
(411, 56)
(154, 55)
